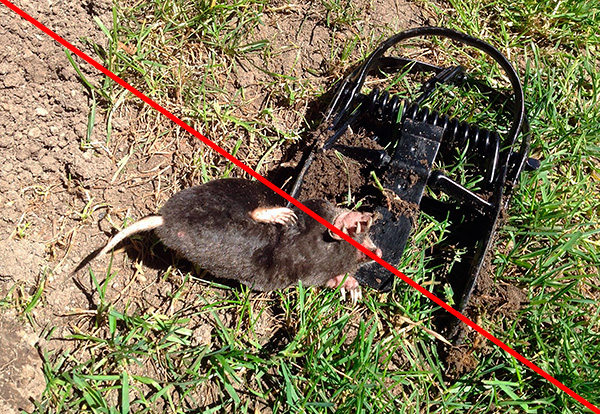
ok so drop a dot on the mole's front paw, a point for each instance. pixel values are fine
(274, 215)
(350, 285)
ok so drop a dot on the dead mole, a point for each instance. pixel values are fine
(240, 229)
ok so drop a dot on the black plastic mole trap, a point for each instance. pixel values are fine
(402, 145)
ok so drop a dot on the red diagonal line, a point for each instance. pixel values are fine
(301, 206)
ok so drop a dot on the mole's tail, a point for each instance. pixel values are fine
(145, 224)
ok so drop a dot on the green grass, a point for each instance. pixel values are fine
(217, 349)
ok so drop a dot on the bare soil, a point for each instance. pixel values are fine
(46, 179)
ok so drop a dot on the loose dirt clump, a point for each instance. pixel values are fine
(332, 175)
(346, 179)
(506, 300)
(491, 301)
(400, 207)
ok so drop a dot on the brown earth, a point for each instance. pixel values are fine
(46, 179)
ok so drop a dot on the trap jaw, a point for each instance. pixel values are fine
(418, 137)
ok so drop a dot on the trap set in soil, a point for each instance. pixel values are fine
(398, 147)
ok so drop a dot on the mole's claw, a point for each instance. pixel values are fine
(355, 295)
(343, 293)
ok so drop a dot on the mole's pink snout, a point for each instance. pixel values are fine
(357, 225)
(368, 243)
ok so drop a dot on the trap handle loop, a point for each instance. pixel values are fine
(351, 86)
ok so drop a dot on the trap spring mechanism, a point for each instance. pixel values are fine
(414, 140)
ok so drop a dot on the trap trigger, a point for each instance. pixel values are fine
(403, 182)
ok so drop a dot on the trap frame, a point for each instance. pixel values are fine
(414, 139)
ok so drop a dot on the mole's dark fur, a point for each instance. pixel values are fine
(212, 225)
